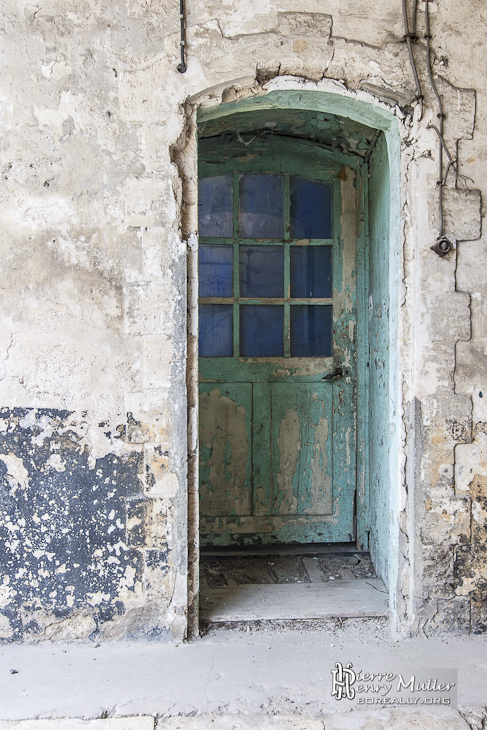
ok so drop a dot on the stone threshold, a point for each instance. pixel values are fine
(358, 598)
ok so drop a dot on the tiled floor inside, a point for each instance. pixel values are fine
(283, 565)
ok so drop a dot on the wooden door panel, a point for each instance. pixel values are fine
(302, 463)
(226, 449)
(261, 434)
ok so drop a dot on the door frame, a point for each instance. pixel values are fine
(384, 540)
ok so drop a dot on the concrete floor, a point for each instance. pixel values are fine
(385, 720)
(275, 676)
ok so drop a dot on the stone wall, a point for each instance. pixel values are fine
(98, 204)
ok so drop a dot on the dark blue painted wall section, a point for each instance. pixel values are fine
(64, 522)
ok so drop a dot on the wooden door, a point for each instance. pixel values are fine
(277, 360)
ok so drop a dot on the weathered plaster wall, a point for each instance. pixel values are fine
(93, 453)
(378, 364)
(98, 206)
(435, 524)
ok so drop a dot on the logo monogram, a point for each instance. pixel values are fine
(342, 681)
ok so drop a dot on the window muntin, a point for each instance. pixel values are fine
(266, 280)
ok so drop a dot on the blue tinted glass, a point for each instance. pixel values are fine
(215, 199)
(216, 330)
(311, 330)
(261, 206)
(261, 271)
(311, 271)
(310, 209)
(261, 330)
(215, 271)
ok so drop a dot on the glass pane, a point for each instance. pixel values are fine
(310, 209)
(311, 330)
(261, 271)
(311, 271)
(216, 330)
(215, 199)
(261, 330)
(215, 271)
(261, 206)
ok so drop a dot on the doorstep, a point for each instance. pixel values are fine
(255, 602)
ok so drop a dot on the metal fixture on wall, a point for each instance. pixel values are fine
(442, 246)
(182, 66)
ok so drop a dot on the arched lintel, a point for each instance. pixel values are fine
(358, 110)
(367, 111)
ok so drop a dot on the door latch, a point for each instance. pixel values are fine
(337, 373)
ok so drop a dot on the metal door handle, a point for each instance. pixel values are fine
(337, 373)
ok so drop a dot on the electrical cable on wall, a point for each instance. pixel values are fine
(441, 117)
(442, 245)
(182, 66)
(415, 16)
(462, 179)
(409, 37)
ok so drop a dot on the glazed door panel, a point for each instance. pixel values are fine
(277, 316)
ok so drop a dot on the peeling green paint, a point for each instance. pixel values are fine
(225, 448)
(348, 110)
(302, 459)
(381, 358)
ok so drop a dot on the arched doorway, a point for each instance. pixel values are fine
(287, 454)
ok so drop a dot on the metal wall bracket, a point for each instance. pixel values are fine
(442, 246)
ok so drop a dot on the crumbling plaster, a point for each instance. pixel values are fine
(98, 204)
